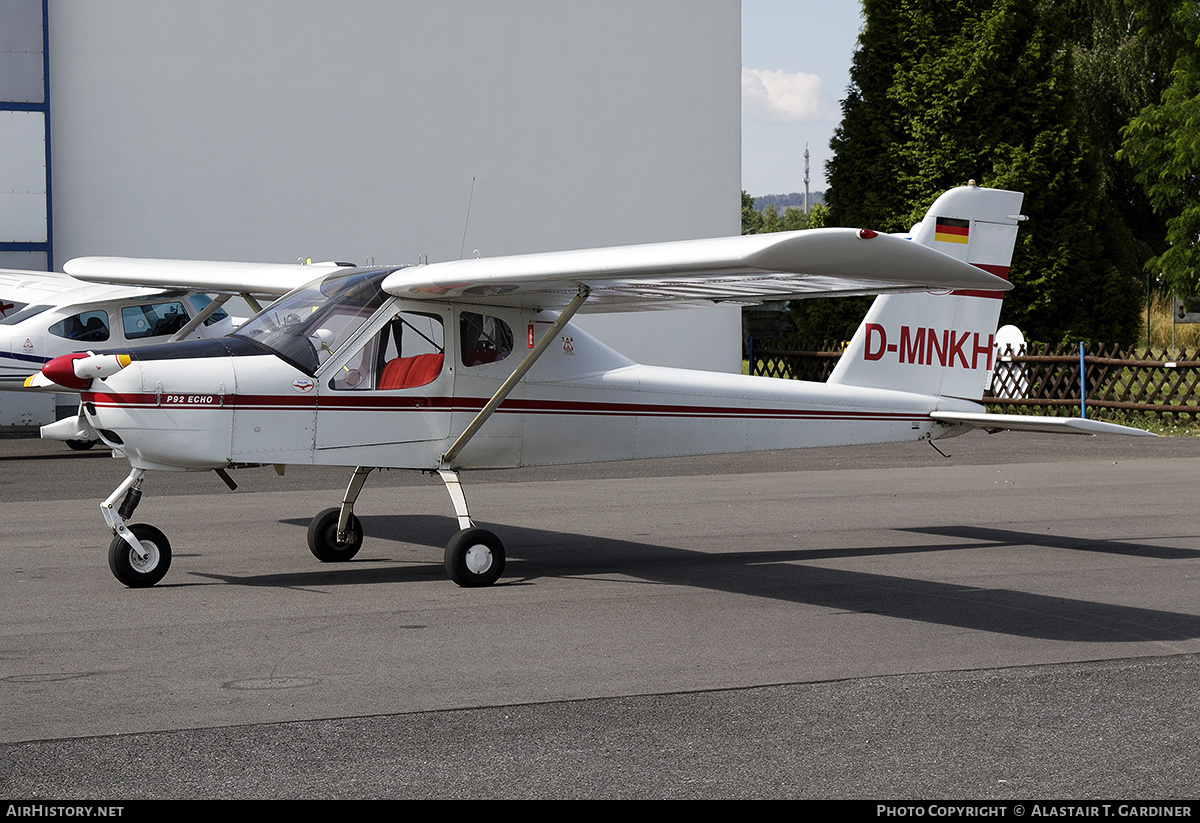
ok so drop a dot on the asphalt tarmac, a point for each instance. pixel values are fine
(1020, 621)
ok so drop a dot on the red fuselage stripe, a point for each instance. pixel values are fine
(368, 403)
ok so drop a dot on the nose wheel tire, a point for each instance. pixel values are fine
(475, 557)
(136, 572)
(322, 537)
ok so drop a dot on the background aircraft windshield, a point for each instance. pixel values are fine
(308, 325)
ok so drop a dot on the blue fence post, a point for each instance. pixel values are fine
(750, 349)
(1082, 384)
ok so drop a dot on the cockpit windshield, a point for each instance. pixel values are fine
(309, 324)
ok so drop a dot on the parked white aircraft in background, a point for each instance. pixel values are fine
(47, 314)
(422, 367)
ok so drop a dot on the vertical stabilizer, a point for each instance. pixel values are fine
(940, 343)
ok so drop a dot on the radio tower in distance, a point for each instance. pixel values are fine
(806, 178)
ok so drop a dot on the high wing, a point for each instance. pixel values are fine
(200, 275)
(748, 269)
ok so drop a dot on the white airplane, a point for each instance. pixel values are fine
(44, 315)
(476, 364)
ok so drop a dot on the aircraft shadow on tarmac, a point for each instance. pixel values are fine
(1005, 537)
(782, 574)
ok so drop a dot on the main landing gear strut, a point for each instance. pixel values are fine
(474, 556)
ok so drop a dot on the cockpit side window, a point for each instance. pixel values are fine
(86, 327)
(483, 339)
(408, 352)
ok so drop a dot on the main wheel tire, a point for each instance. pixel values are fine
(474, 557)
(322, 537)
(129, 568)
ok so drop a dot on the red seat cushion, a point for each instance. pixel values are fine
(410, 372)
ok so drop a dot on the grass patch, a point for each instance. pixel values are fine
(1163, 331)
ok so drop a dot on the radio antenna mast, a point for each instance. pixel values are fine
(467, 222)
(806, 178)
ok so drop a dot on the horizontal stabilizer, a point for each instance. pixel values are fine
(1034, 423)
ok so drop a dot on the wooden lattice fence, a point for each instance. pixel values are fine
(780, 357)
(1043, 379)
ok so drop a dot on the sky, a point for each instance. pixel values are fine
(796, 57)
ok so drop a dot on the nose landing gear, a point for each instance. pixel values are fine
(139, 555)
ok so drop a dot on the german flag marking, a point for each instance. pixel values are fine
(951, 230)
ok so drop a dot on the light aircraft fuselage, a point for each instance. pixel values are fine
(188, 407)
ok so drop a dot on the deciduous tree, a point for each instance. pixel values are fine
(1162, 145)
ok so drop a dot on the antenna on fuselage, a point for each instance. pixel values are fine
(467, 222)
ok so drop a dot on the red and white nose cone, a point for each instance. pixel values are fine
(76, 371)
(61, 370)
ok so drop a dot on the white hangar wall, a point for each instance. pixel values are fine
(272, 130)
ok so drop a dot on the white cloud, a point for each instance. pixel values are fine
(786, 96)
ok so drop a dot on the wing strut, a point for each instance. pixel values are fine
(580, 297)
(204, 314)
(251, 302)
